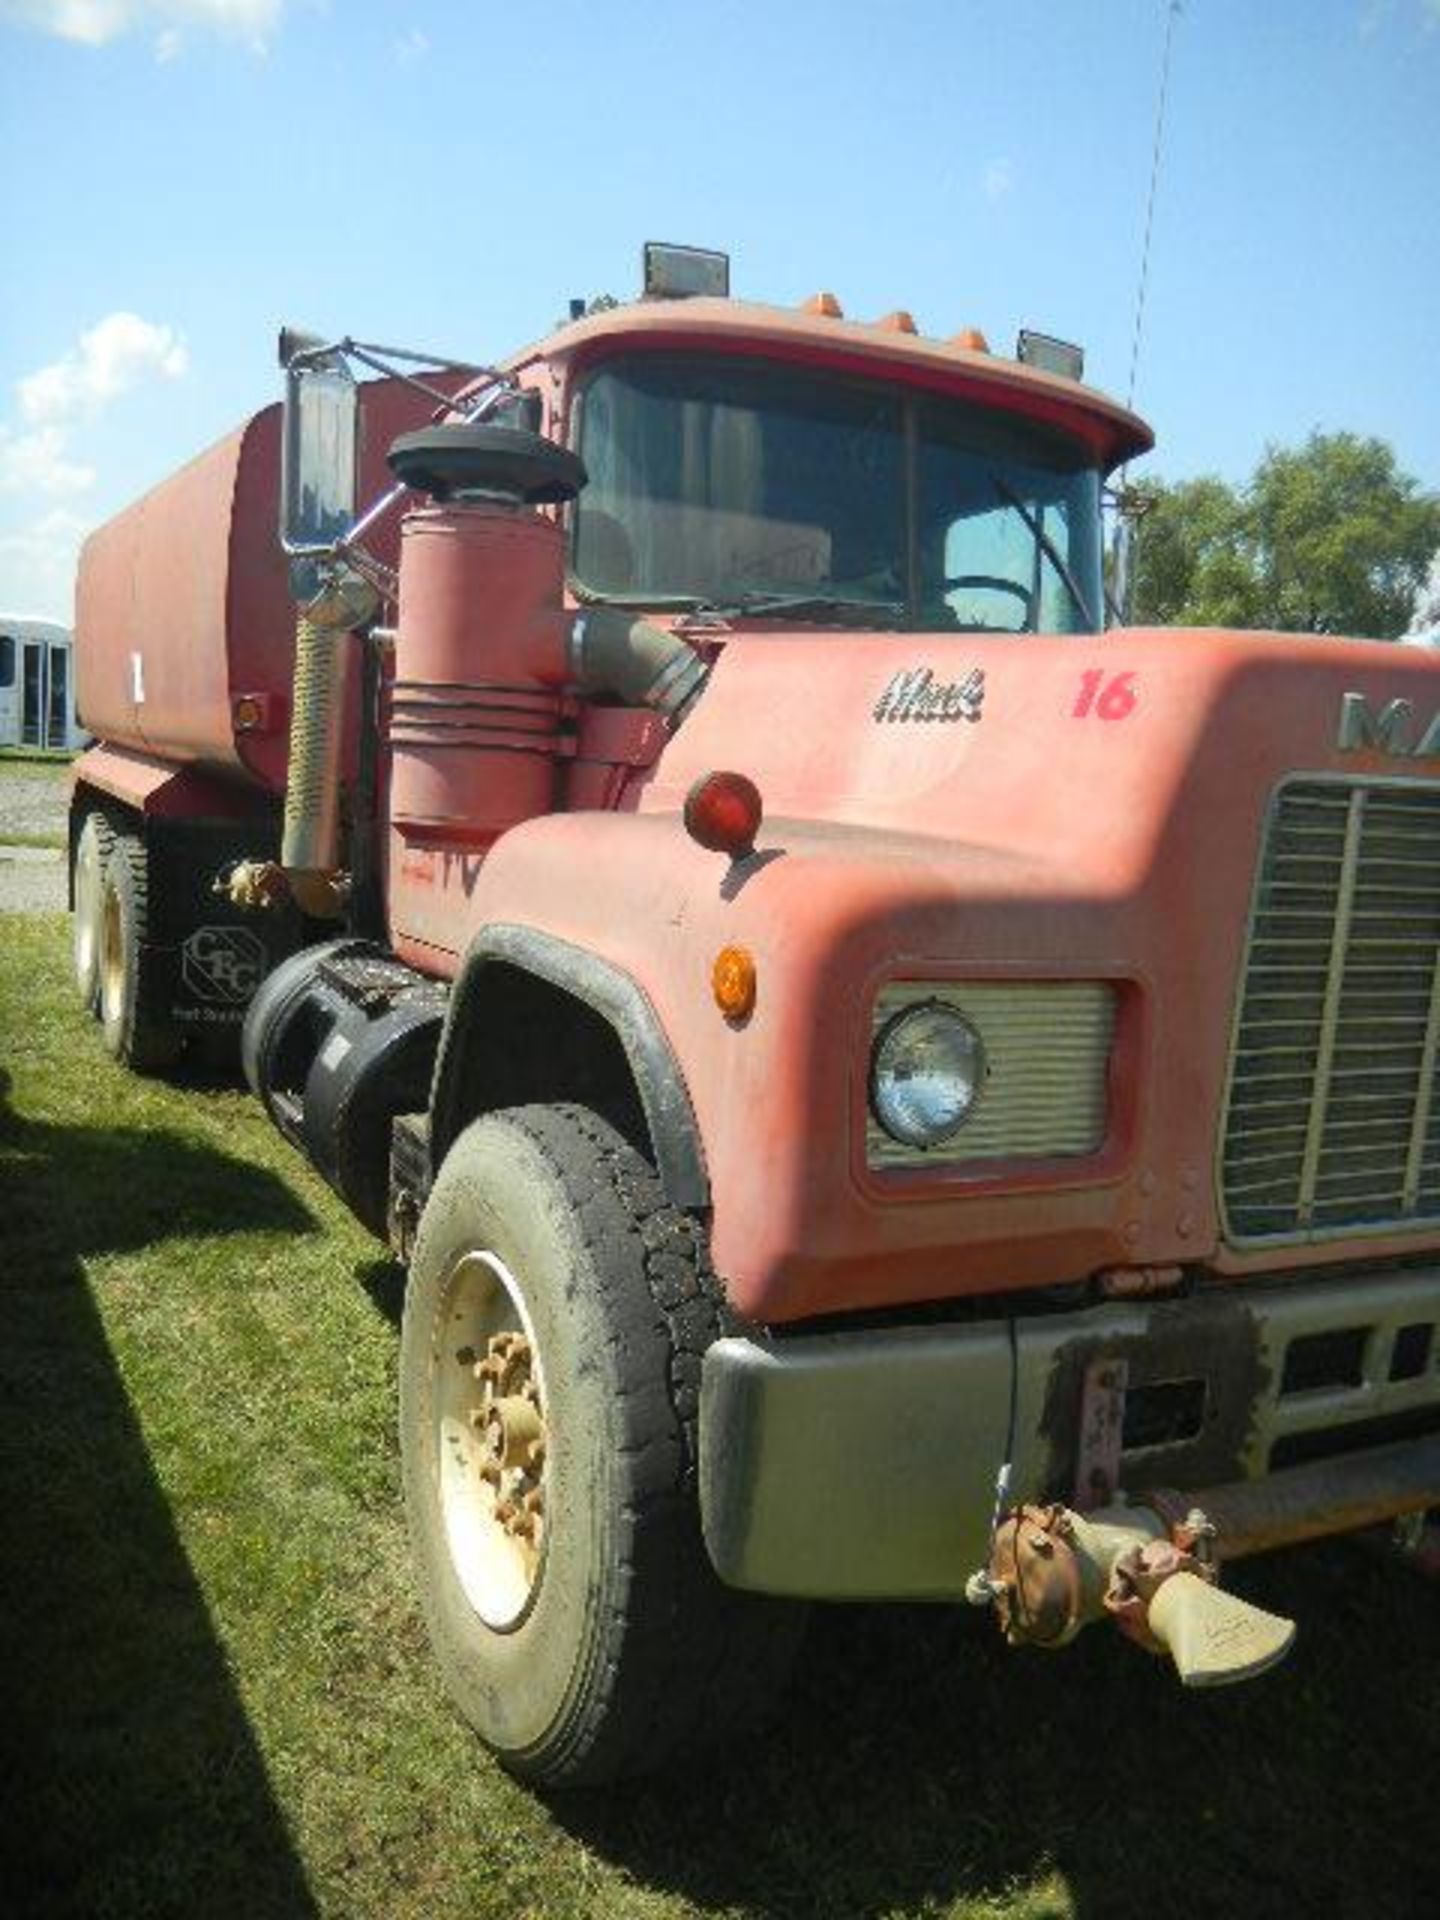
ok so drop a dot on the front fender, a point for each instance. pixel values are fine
(620, 1001)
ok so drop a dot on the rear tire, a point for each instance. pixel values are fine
(92, 853)
(134, 1018)
(577, 1620)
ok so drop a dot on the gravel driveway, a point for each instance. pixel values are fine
(32, 806)
(32, 880)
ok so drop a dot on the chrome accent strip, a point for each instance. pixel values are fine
(1330, 1017)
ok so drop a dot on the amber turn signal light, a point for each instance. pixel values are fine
(723, 812)
(732, 979)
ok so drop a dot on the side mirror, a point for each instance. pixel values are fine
(319, 442)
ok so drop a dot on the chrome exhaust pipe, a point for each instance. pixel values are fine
(310, 847)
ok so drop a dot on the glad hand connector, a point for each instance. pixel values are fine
(1052, 1571)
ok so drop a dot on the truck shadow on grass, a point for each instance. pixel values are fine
(919, 1764)
(383, 1281)
(132, 1782)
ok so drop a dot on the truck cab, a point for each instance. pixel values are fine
(889, 1084)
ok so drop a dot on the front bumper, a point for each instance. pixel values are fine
(862, 1465)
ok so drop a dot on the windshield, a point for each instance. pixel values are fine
(733, 484)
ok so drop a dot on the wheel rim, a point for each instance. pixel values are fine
(87, 913)
(112, 955)
(490, 1439)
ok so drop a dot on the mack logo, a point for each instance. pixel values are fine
(916, 694)
(1391, 730)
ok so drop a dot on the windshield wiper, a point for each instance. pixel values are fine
(804, 606)
(1047, 546)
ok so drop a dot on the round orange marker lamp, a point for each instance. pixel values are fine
(723, 812)
(732, 979)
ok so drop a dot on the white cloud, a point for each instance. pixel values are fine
(94, 23)
(411, 47)
(167, 46)
(37, 565)
(111, 358)
(997, 180)
(32, 463)
(1431, 11)
(37, 560)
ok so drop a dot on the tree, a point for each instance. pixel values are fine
(1328, 538)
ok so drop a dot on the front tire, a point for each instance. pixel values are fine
(556, 1315)
(134, 1022)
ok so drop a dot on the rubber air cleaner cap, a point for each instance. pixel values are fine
(484, 458)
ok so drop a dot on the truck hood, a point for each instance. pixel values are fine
(1087, 755)
(962, 808)
(1034, 808)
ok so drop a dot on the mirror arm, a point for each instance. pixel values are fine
(375, 511)
(347, 547)
(359, 347)
(371, 360)
(309, 352)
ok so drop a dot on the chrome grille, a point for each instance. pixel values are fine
(1332, 1124)
(1047, 1049)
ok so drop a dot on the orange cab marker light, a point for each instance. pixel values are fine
(248, 713)
(732, 979)
(972, 340)
(723, 812)
(824, 304)
(897, 322)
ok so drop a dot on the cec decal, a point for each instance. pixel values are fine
(223, 964)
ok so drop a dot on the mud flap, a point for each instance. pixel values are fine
(206, 956)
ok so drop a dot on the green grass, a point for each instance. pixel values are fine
(218, 1700)
(27, 759)
(49, 841)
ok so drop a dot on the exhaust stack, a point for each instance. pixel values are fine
(310, 848)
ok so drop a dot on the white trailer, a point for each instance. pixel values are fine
(37, 685)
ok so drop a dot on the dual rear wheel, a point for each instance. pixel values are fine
(109, 945)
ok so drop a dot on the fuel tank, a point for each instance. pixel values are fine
(184, 627)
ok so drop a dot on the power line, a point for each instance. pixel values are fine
(1170, 18)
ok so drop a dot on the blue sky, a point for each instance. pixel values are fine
(184, 175)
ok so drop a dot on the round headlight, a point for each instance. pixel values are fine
(926, 1074)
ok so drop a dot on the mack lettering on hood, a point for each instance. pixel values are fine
(915, 694)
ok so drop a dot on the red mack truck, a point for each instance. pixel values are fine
(888, 1085)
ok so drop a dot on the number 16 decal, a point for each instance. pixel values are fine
(1112, 699)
